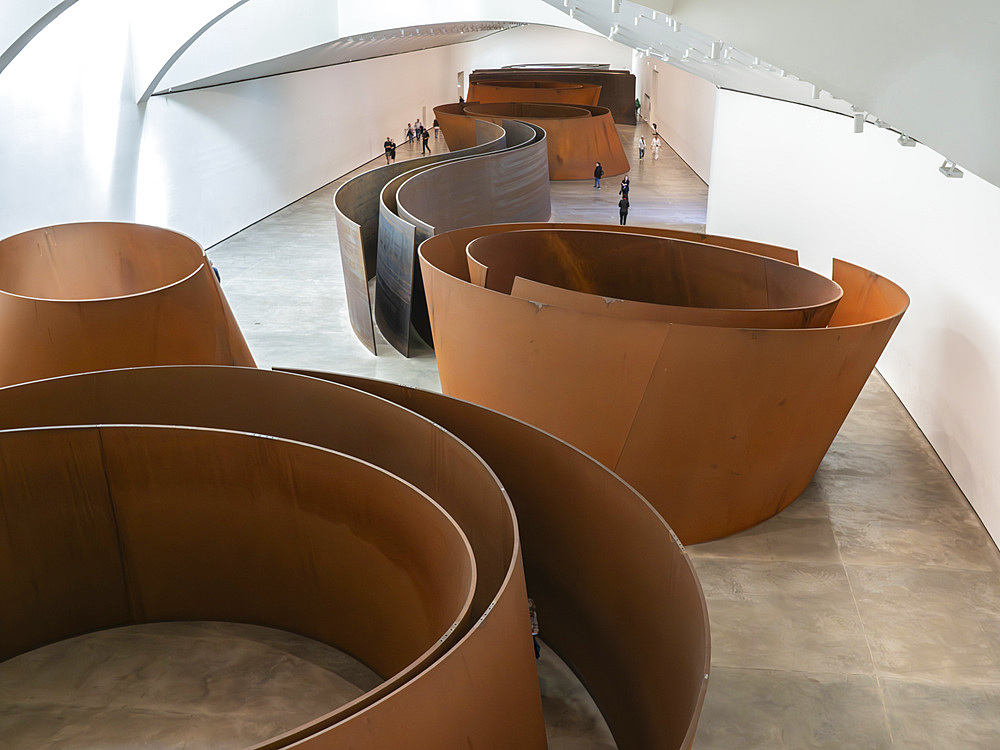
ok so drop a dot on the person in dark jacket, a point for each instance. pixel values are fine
(623, 190)
(426, 137)
(623, 210)
(388, 148)
(598, 174)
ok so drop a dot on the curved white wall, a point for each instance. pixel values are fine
(800, 177)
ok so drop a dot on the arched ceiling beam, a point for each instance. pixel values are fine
(11, 25)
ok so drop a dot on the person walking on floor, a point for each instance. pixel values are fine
(409, 132)
(623, 210)
(598, 173)
(623, 190)
(388, 148)
(392, 149)
(437, 128)
(642, 147)
(656, 145)
(427, 137)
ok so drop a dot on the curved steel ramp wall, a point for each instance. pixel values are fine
(507, 185)
(91, 296)
(719, 420)
(356, 207)
(143, 530)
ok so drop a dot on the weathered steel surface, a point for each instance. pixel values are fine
(328, 542)
(577, 136)
(617, 86)
(356, 207)
(719, 425)
(617, 595)
(507, 185)
(556, 92)
(78, 297)
(478, 685)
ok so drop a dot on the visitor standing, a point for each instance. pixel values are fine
(623, 190)
(392, 150)
(642, 147)
(409, 132)
(388, 148)
(426, 139)
(598, 174)
(437, 128)
(656, 145)
(623, 210)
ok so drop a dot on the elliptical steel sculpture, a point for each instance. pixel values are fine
(554, 92)
(91, 296)
(430, 593)
(711, 380)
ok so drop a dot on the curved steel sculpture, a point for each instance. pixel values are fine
(617, 86)
(356, 207)
(509, 184)
(711, 381)
(577, 136)
(92, 296)
(555, 92)
(302, 532)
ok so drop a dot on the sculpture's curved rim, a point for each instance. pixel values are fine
(80, 300)
(836, 291)
(566, 111)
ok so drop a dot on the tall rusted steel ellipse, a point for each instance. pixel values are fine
(715, 401)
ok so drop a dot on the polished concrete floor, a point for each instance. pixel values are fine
(866, 615)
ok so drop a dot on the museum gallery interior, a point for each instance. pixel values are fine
(569, 374)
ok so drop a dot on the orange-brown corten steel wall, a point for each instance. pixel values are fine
(578, 137)
(553, 92)
(715, 393)
(79, 297)
(429, 589)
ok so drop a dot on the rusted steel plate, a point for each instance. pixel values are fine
(719, 425)
(578, 137)
(617, 86)
(91, 296)
(556, 92)
(481, 687)
(506, 185)
(356, 207)
(616, 593)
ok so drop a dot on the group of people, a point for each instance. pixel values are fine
(422, 134)
(623, 204)
(390, 150)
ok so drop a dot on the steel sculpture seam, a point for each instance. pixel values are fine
(720, 424)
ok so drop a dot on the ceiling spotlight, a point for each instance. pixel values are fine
(716, 51)
(616, 6)
(572, 12)
(859, 122)
(636, 20)
(815, 92)
(905, 140)
(948, 169)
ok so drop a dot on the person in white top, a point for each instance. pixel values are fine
(642, 147)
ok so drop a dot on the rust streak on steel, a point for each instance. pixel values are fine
(91, 296)
(716, 396)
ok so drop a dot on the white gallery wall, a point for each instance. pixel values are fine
(797, 176)
(75, 146)
(683, 107)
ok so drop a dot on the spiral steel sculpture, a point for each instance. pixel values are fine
(384, 529)
(712, 379)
